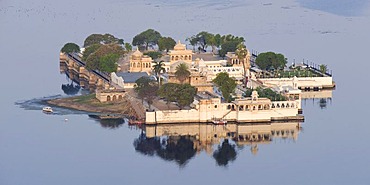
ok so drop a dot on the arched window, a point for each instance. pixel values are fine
(241, 107)
(173, 58)
(108, 98)
(228, 107)
(120, 97)
(114, 97)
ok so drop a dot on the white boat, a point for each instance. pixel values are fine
(47, 109)
(219, 121)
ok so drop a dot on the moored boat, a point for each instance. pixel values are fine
(135, 122)
(219, 121)
(47, 109)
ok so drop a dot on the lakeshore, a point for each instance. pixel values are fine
(89, 103)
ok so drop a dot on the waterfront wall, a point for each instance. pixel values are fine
(205, 113)
(302, 82)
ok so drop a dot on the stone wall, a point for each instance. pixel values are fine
(302, 82)
(107, 96)
(207, 112)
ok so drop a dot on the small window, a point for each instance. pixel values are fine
(215, 106)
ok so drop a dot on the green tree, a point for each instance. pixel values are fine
(229, 46)
(242, 53)
(93, 61)
(158, 68)
(228, 43)
(193, 40)
(70, 48)
(269, 60)
(216, 42)
(146, 88)
(102, 39)
(266, 93)
(169, 91)
(323, 68)
(204, 39)
(225, 84)
(154, 54)
(182, 72)
(148, 38)
(183, 94)
(166, 43)
(108, 63)
(231, 38)
(90, 50)
(128, 46)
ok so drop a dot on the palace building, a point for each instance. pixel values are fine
(140, 62)
(180, 53)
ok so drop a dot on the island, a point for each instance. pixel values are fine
(163, 82)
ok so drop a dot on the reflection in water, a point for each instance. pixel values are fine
(173, 148)
(108, 123)
(320, 98)
(74, 76)
(225, 153)
(70, 89)
(322, 103)
(180, 142)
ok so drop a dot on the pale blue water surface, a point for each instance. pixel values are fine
(35, 148)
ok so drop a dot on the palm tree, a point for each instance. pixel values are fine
(242, 52)
(158, 69)
(323, 68)
(182, 72)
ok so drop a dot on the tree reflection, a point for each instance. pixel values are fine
(111, 123)
(70, 89)
(179, 149)
(225, 153)
(147, 146)
(322, 103)
(175, 148)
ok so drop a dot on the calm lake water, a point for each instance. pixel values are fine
(331, 148)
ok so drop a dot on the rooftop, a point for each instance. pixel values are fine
(207, 56)
(205, 95)
(131, 77)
